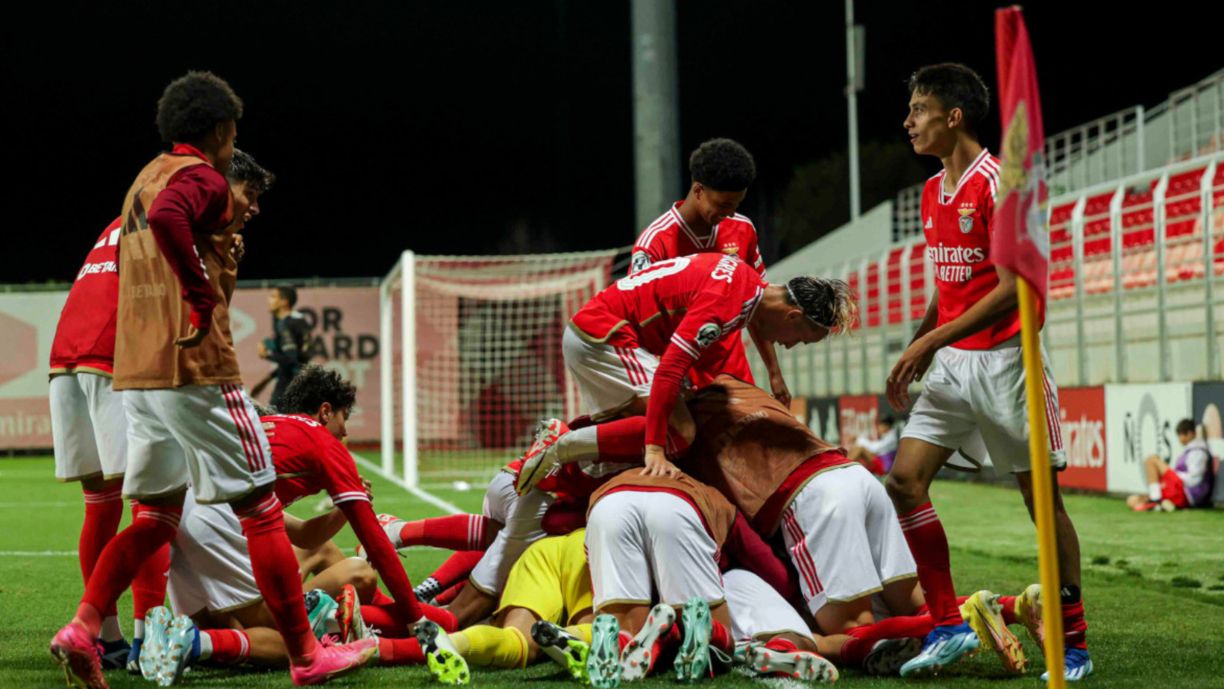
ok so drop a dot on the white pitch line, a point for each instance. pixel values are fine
(428, 497)
(38, 553)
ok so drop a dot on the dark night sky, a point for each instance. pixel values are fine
(440, 126)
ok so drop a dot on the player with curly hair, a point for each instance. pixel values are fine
(706, 221)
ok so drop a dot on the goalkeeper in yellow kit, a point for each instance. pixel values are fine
(546, 606)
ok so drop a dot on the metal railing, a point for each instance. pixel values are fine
(1137, 289)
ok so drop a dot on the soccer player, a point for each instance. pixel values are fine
(1188, 483)
(87, 419)
(631, 347)
(90, 431)
(666, 538)
(210, 579)
(546, 606)
(188, 417)
(970, 340)
(706, 222)
(837, 523)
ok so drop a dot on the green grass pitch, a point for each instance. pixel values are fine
(1153, 583)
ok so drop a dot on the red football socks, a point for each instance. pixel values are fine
(445, 618)
(399, 652)
(382, 619)
(1009, 609)
(449, 595)
(453, 532)
(103, 511)
(149, 584)
(457, 567)
(894, 628)
(1075, 627)
(929, 544)
(854, 651)
(153, 528)
(228, 646)
(276, 573)
(720, 638)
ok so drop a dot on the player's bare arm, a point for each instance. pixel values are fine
(309, 534)
(777, 385)
(998, 303)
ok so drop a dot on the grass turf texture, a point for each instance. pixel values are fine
(1154, 620)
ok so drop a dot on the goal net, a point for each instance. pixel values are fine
(474, 354)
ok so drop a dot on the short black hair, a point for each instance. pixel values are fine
(722, 165)
(243, 168)
(288, 293)
(1186, 426)
(313, 386)
(887, 421)
(956, 86)
(827, 303)
(193, 104)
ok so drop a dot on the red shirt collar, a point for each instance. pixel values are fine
(189, 150)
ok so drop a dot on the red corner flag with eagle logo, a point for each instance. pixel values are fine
(1020, 239)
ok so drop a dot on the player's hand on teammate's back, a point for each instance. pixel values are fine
(192, 339)
(914, 362)
(657, 463)
(780, 392)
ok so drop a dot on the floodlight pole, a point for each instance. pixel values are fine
(656, 120)
(854, 83)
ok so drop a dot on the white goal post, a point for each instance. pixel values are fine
(471, 347)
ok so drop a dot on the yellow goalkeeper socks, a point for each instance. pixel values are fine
(582, 631)
(492, 646)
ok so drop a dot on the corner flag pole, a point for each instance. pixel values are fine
(1020, 242)
(1043, 487)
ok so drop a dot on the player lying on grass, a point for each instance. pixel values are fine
(705, 221)
(663, 535)
(632, 346)
(1187, 483)
(837, 523)
(546, 606)
(974, 395)
(87, 420)
(210, 576)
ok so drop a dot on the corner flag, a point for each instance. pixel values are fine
(1021, 243)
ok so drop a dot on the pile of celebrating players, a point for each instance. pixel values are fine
(686, 523)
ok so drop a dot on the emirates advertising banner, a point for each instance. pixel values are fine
(344, 337)
(1139, 422)
(1081, 412)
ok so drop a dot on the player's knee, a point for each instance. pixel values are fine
(905, 491)
(363, 577)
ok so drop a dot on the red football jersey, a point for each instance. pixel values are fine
(957, 228)
(669, 236)
(690, 301)
(309, 460)
(85, 336)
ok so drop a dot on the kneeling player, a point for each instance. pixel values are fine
(549, 586)
(308, 457)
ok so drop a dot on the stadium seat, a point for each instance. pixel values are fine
(896, 309)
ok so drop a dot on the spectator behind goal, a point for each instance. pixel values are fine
(289, 346)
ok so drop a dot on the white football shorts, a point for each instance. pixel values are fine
(974, 400)
(843, 537)
(608, 377)
(207, 435)
(636, 538)
(88, 427)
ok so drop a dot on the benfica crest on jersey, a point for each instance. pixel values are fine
(731, 248)
(966, 211)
